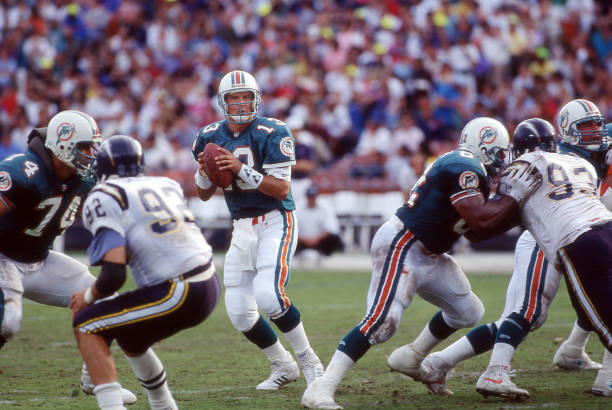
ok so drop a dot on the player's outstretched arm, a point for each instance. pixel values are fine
(488, 218)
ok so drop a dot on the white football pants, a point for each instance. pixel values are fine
(51, 282)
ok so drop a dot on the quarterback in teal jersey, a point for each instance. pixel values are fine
(259, 151)
(408, 256)
(41, 192)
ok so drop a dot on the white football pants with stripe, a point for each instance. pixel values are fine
(256, 268)
(435, 278)
(533, 285)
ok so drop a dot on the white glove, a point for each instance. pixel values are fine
(519, 181)
(609, 157)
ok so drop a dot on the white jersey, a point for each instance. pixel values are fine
(162, 238)
(566, 204)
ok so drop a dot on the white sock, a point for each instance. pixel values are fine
(425, 341)
(152, 376)
(276, 352)
(85, 377)
(457, 352)
(338, 367)
(502, 354)
(109, 396)
(578, 337)
(606, 363)
(297, 339)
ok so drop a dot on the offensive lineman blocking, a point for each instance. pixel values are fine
(532, 287)
(409, 256)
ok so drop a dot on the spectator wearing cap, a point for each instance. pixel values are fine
(318, 226)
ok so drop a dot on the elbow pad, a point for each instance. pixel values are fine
(112, 277)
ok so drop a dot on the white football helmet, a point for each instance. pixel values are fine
(65, 132)
(239, 81)
(488, 139)
(575, 113)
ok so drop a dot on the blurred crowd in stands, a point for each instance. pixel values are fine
(371, 89)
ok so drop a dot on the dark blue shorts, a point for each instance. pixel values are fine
(139, 318)
(587, 266)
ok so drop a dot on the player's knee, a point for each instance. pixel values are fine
(468, 313)
(386, 330)
(241, 313)
(243, 321)
(11, 323)
(268, 302)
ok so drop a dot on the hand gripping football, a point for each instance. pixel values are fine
(222, 178)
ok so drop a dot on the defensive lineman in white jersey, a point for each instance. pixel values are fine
(569, 222)
(160, 241)
(142, 222)
(532, 287)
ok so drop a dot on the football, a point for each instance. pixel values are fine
(221, 178)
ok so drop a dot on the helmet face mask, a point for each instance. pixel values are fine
(488, 140)
(71, 136)
(239, 82)
(573, 123)
(119, 156)
(533, 134)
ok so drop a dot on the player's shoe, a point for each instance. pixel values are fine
(311, 365)
(318, 395)
(282, 373)
(433, 374)
(495, 381)
(406, 360)
(87, 387)
(603, 383)
(573, 358)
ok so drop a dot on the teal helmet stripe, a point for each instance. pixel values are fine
(586, 108)
(242, 79)
(94, 127)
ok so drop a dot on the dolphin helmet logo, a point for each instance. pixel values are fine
(65, 131)
(487, 135)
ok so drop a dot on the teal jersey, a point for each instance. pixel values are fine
(267, 143)
(429, 212)
(41, 206)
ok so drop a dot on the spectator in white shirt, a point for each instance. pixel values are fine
(318, 226)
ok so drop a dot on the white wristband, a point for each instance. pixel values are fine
(250, 177)
(88, 296)
(201, 181)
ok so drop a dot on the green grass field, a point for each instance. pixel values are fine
(214, 367)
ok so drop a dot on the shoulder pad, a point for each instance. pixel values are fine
(116, 192)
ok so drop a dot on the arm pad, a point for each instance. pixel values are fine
(112, 276)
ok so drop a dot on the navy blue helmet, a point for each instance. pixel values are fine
(119, 155)
(533, 134)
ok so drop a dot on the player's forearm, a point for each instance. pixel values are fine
(205, 194)
(496, 216)
(274, 187)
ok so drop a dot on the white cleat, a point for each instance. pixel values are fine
(406, 360)
(319, 396)
(433, 373)
(495, 381)
(87, 387)
(603, 384)
(571, 358)
(311, 365)
(283, 372)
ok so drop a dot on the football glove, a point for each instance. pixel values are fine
(519, 181)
